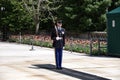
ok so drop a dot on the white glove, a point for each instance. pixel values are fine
(63, 47)
(58, 38)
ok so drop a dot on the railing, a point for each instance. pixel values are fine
(89, 45)
(99, 37)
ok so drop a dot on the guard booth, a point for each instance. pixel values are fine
(113, 22)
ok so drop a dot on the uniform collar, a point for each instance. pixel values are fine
(59, 28)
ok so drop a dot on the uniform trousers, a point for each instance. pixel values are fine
(58, 57)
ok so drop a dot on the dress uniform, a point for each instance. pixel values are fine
(58, 37)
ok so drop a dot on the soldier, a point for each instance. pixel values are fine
(58, 37)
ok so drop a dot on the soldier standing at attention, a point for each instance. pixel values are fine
(58, 37)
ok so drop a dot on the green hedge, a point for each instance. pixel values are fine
(73, 48)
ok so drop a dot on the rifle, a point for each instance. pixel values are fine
(53, 19)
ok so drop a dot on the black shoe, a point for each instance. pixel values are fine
(59, 68)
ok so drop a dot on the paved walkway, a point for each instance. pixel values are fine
(17, 62)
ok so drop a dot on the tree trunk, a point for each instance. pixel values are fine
(37, 27)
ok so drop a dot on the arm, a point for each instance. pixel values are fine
(53, 34)
(64, 38)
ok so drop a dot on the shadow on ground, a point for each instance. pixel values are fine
(69, 72)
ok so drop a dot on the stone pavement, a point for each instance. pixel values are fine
(17, 62)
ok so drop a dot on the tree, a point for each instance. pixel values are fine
(15, 17)
(19, 20)
(114, 4)
(40, 10)
(77, 15)
(96, 11)
(85, 15)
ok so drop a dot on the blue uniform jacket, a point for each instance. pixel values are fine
(58, 43)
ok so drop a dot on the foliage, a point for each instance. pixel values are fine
(114, 4)
(40, 10)
(77, 15)
(14, 16)
(85, 15)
